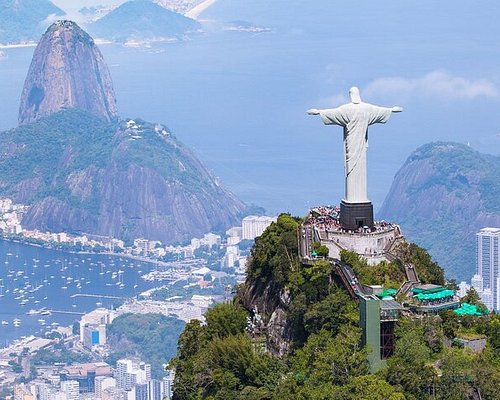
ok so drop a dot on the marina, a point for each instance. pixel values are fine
(43, 288)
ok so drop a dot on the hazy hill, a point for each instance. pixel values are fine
(25, 20)
(443, 194)
(82, 174)
(141, 20)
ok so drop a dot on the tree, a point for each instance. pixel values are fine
(76, 328)
(320, 249)
(471, 297)
(450, 323)
(409, 368)
(330, 313)
(224, 320)
(457, 374)
(331, 359)
(367, 387)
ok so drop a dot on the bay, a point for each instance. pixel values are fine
(66, 284)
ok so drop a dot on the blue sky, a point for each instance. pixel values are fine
(240, 101)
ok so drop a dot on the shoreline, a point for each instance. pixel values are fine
(17, 46)
(195, 12)
(106, 253)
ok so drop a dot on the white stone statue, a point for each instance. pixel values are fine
(355, 118)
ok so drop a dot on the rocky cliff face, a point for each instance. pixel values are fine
(443, 194)
(67, 71)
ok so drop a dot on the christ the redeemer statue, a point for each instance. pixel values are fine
(355, 117)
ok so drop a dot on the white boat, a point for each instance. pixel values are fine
(4, 322)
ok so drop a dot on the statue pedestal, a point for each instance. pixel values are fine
(356, 215)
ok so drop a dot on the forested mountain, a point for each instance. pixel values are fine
(441, 197)
(293, 333)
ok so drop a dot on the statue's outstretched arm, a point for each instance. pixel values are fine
(397, 109)
(313, 111)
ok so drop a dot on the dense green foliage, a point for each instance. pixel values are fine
(22, 20)
(58, 353)
(142, 20)
(151, 337)
(50, 150)
(219, 361)
(274, 255)
(226, 359)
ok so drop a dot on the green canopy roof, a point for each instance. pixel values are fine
(442, 294)
(387, 293)
(469, 309)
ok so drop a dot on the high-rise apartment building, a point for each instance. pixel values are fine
(488, 267)
(253, 226)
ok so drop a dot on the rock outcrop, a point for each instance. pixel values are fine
(83, 172)
(67, 71)
(443, 194)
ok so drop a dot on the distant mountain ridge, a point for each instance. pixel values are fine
(142, 20)
(25, 20)
(444, 193)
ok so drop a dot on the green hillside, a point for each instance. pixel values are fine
(236, 354)
(441, 197)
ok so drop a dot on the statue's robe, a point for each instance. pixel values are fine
(355, 119)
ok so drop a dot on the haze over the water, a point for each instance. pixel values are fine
(239, 98)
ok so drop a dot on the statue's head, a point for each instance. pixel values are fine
(354, 95)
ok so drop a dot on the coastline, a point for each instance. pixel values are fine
(17, 46)
(195, 12)
(106, 253)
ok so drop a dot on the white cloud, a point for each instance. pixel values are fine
(50, 20)
(436, 84)
(335, 101)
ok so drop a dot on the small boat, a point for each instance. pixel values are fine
(4, 322)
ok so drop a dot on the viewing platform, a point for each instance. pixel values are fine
(323, 225)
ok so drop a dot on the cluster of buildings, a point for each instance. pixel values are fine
(486, 281)
(11, 216)
(185, 310)
(130, 380)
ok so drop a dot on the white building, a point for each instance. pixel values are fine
(130, 373)
(71, 389)
(211, 239)
(168, 384)
(253, 226)
(96, 318)
(102, 383)
(463, 288)
(488, 265)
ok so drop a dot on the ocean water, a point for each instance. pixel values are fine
(238, 99)
(34, 278)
